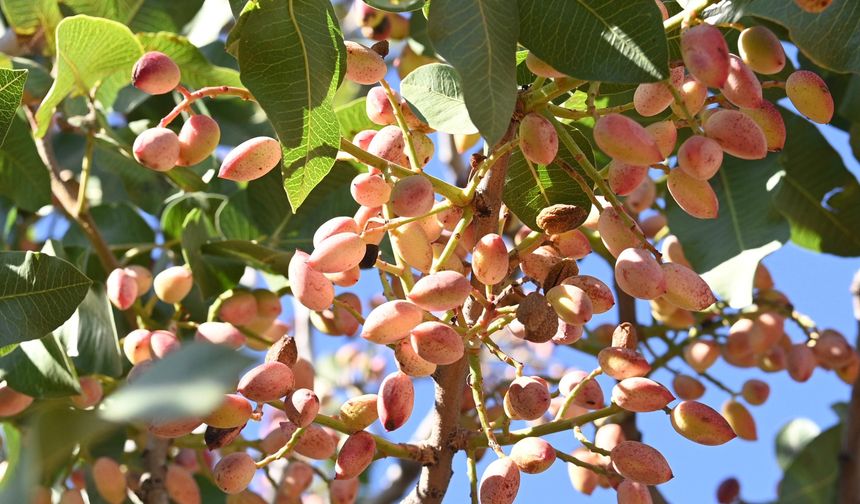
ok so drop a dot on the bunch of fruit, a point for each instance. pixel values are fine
(451, 294)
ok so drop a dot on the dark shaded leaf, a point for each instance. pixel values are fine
(728, 249)
(822, 205)
(37, 294)
(479, 39)
(625, 40)
(212, 274)
(530, 188)
(40, 368)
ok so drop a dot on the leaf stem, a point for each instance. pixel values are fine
(679, 101)
(537, 98)
(691, 9)
(352, 311)
(580, 436)
(570, 459)
(566, 113)
(472, 473)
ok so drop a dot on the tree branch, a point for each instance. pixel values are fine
(488, 197)
(450, 380)
(849, 456)
(434, 479)
(627, 313)
(153, 490)
(65, 194)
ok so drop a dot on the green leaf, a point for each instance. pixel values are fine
(29, 16)
(813, 34)
(725, 11)
(197, 71)
(89, 50)
(178, 207)
(197, 376)
(849, 104)
(213, 275)
(792, 438)
(11, 90)
(396, 5)
(529, 188)
(292, 59)
(141, 15)
(123, 180)
(352, 118)
(811, 477)
(434, 91)
(419, 39)
(262, 212)
(120, 225)
(116, 10)
(37, 294)
(479, 39)
(164, 15)
(40, 368)
(21, 166)
(728, 249)
(251, 254)
(90, 336)
(822, 205)
(38, 77)
(604, 40)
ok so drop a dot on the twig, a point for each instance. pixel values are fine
(592, 173)
(580, 436)
(476, 383)
(419, 453)
(404, 128)
(453, 193)
(569, 400)
(453, 240)
(570, 459)
(285, 450)
(472, 473)
(203, 93)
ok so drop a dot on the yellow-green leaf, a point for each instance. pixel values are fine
(89, 50)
